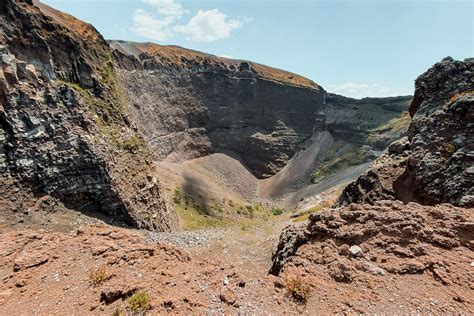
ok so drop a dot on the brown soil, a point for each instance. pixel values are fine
(390, 257)
(48, 272)
(52, 273)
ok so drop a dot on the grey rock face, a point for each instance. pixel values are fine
(365, 121)
(51, 142)
(291, 238)
(191, 104)
(442, 134)
(431, 166)
(195, 110)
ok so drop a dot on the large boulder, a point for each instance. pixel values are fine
(436, 165)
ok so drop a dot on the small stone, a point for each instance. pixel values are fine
(99, 250)
(399, 146)
(370, 268)
(228, 296)
(28, 260)
(356, 251)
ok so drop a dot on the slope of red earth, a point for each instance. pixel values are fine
(389, 258)
(413, 259)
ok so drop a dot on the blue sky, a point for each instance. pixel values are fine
(355, 47)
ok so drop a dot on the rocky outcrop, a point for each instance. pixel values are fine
(395, 237)
(435, 166)
(65, 131)
(378, 183)
(375, 234)
(388, 253)
(441, 134)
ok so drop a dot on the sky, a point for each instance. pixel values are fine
(356, 48)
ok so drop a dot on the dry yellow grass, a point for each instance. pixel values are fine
(81, 28)
(98, 276)
(297, 288)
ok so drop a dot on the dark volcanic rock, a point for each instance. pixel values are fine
(64, 131)
(436, 165)
(191, 104)
(291, 238)
(442, 134)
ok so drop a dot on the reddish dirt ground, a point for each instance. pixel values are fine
(45, 272)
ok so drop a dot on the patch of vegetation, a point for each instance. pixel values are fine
(277, 211)
(98, 276)
(332, 165)
(305, 215)
(177, 196)
(131, 144)
(111, 120)
(371, 114)
(194, 215)
(297, 288)
(245, 226)
(139, 302)
(193, 218)
(394, 125)
(118, 311)
(109, 106)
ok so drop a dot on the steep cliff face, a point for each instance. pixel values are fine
(362, 129)
(192, 104)
(65, 133)
(369, 121)
(434, 164)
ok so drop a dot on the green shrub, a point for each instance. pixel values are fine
(450, 149)
(118, 311)
(250, 210)
(139, 302)
(277, 211)
(177, 196)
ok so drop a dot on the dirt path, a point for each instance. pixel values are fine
(249, 249)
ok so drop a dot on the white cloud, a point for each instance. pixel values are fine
(146, 25)
(227, 56)
(162, 23)
(361, 90)
(168, 8)
(209, 26)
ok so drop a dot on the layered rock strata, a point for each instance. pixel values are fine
(65, 132)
